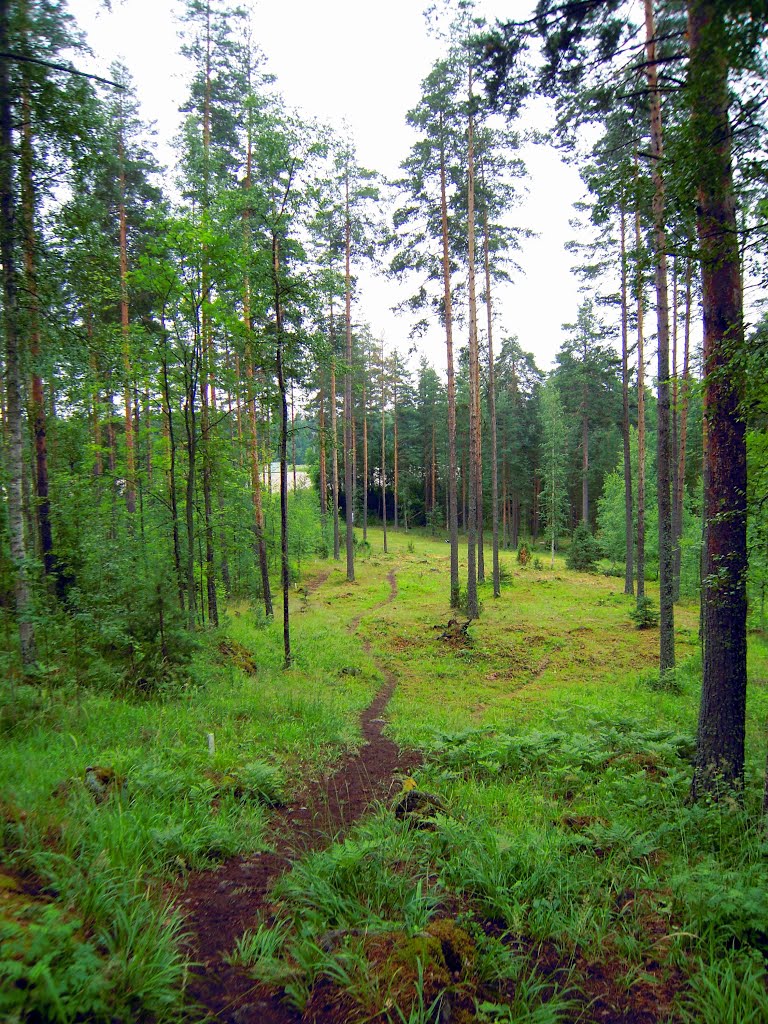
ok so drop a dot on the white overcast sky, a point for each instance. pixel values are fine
(360, 62)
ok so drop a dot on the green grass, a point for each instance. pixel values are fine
(564, 763)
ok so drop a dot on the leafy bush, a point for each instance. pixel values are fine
(584, 550)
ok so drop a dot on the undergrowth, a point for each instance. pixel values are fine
(565, 875)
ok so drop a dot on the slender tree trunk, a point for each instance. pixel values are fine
(348, 479)
(365, 458)
(383, 452)
(720, 741)
(395, 447)
(453, 514)
(125, 333)
(293, 438)
(629, 587)
(207, 371)
(479, 477)
(492, 415)
(474, 381)
(285, 574)
(172, 472)
(335, 464)
(15, 442)
(684, 400)
(674, 441)
(640, 421)
(663, 456)
(584, 460)
(322, 455)
(189, 508)
(37, 404)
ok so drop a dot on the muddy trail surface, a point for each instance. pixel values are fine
(219, 905)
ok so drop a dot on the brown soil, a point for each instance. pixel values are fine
(220, 905)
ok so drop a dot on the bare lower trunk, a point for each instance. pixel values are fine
(683, 440)
(349, 483)
(474, 383)
(335, 464)
(640, 425)
(720, 740)
(492, 416)
(383, 453)
(322, 454)
(284, 566)
(32, 302)
(663, 456)
(629, 587)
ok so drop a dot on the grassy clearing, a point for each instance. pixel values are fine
(568, 877)
(565, 878)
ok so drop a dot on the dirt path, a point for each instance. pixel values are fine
(220, 905)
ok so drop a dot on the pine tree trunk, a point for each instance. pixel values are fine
(348, 478)
(130, 453)
(334, 462)
(322, 456)
(395, 450)
(675, 441)
(479, 476)
(453, 513)
(640, 423)
(15, 444)
(168, 410)
(663, 453)
(629, 571)
(474, 383)
(365, 459)
(32, 303)
(492, 416)
(285, 574)
(584, 461)
(256, 485)
(190, 425)
(720, 741)
(684, 401)
(383, 453)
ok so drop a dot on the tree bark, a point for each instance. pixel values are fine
(474, 382)
(285, 574)
(37, 403)
(684, 402)
(663, 456)
(348, 477)
(629, 587)
(640, 420)
(720, 741)
(15, 443)
(492, 415)
(453, 514)
(125, 333)
(334, 459)
(322, 456)
(383, 453)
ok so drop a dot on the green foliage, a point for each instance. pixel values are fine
(584, 550)
(48, 970)
(644, 614)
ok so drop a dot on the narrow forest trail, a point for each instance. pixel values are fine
(219, 905)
